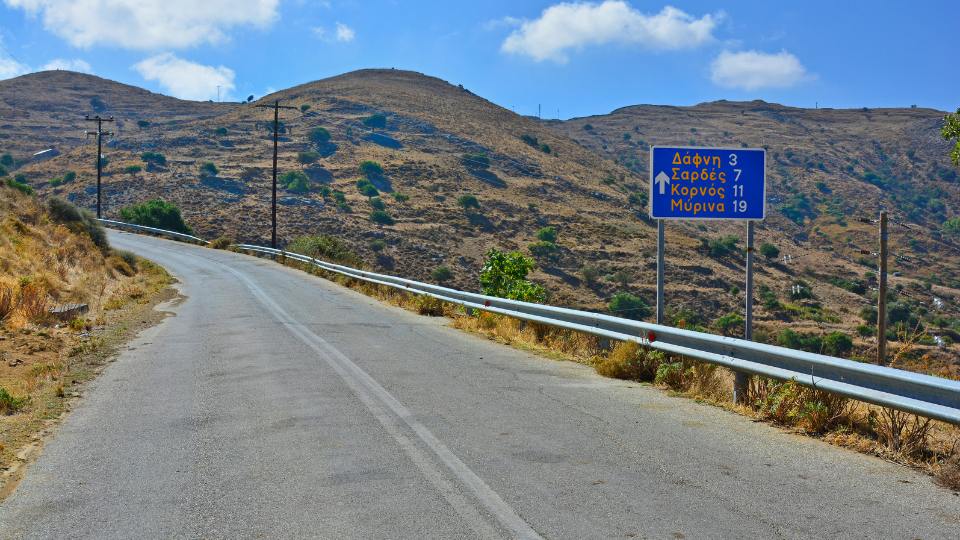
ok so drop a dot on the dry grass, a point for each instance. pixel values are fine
(33, 302)
(901, 437)
(8, 301)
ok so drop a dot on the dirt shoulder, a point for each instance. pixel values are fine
(47, 368)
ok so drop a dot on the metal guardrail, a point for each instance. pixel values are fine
(924, 395)
(163, 232)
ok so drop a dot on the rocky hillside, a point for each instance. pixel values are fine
(436, 143)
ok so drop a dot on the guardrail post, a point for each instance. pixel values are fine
(660, 268)
(741, 381)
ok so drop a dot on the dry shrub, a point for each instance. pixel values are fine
(8, 301)
(948, 472)
(33, 302)
(430, 306)
(119, 265)
(221, 243)
(774, 400)
(902, 433)
(822, 411)
(629, 361)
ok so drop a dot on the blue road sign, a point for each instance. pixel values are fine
(707, 183)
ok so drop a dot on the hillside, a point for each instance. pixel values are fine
(437, 142)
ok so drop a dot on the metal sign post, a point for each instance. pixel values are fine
(709, 183)
(660, 270)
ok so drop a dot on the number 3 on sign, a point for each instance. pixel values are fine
(733, 160)
(739, 206)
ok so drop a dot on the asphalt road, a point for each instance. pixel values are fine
(278, 405)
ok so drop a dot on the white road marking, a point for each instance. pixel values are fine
(378, 401)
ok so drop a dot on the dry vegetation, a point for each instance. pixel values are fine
(931, 446)
(44, 359)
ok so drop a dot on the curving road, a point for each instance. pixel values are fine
(278, 405)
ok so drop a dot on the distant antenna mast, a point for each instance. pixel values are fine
(538, 111)
(218, 93)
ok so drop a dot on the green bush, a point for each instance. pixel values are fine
(6, 160)
(20, 186)
(723, 246)
(545, 148)
(378, 245)
(78, 221)
(730, 324)
(865, 330)
(325, 247)
(304, 108)
(319, 136)
(468, 201)
(400, 197)
(628, 306)
(804, 342)
(207, 168)
(377, 203)
(310, 156)
(132, 169)
(530, 140)
(376, 121)
(952, 226)
(366, 188)
(3, 171)
(143, 123)
(441, 274)
(220, 131)
(837, 344)
(504, 274)
(371, 169)
(543, 249)
(769, 251)
(295, 182)
(155, 158)
(156, 213)
(769, 298)
(381, 217)
(9, 404)
(547, 234)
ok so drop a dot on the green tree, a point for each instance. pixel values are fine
(381, 217)
(156, 213)
(377, 203)
(468, 201)
(6, 160)
(207, 168)
(155, 158)
(769, 251)
(629, 306)
(951, 132)
(504, 274)
(952, 226)
(441, 274)
(547, 234)
(837, 344)
(319, 135)
(310, 156)
(295, 181)
(730, 324)
(371, 169)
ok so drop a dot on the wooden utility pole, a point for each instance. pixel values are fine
(99, 133)
(276, 132)
(882, 296)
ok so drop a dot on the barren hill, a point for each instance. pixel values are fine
(437, 142)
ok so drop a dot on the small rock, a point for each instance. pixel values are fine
(15, 362)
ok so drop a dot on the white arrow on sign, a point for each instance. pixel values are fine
(662, 180)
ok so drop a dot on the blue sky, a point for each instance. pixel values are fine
(579, 58)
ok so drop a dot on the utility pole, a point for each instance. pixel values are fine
(276, 131)
(99, 133)
(882, 296)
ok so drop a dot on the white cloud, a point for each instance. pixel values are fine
(147, 24)
(185, 79)
(344, 33)
(574, 25)
(10, 68)
(750, 70)
(341, 33)
(74, 64)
